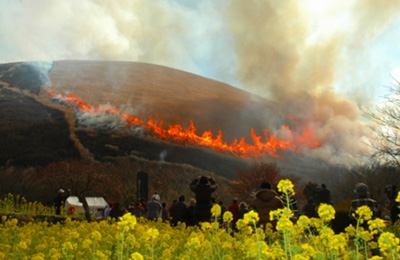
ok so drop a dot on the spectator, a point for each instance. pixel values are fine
(143, 204)
(243, 209)
(203, 187)
(391, 193)
(60, 200)
(178, 211)
(131, 207)
(154, 208)
(138, 210)
(170, 206)
(107, 210)
(234, 209)
(362, 191)
(324, 195)
(265, 200)
(310, 209)
(190, 217)
(164, 212)
(116, 211)
(157, 196)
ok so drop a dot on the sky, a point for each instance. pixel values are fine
(319, 60)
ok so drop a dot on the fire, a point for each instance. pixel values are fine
(269, 144)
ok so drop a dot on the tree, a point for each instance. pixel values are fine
(387, 128)
(248, 181)
(82, 179)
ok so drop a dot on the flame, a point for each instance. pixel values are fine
(270, 144)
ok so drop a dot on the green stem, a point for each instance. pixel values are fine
(258, 242)
(121, 256)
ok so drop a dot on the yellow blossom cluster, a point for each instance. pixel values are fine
(138, 239)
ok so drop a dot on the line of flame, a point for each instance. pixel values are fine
(178, 134)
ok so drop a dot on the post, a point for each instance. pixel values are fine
(142, 189)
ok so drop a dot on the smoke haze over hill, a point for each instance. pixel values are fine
(316, 67)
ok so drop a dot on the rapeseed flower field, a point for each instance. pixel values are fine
(136, 239)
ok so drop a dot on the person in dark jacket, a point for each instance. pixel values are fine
(60, 200)
(363, 199)
(203, 187)
(190, 218)
(164, 212)
(324, 195)
(243, 209)
(154, 208)
(265, 200)
(116, 211)
(178, 211)
(310, 209)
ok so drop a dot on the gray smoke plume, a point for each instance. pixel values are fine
(309, 68)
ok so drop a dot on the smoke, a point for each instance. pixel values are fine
(163, 155)
(315, 65)
(284, 55)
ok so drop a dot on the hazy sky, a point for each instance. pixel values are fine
(320, 58)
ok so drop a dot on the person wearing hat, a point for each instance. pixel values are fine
(60, 200)
(362, 191)
(203, 187)
(154, 208)
(363, 199)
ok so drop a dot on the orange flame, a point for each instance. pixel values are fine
(178, 134)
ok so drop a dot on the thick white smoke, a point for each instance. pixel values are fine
(308, 62)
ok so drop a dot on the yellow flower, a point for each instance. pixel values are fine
(136, 256)
(127, 222)
(39, 256)
(387, 241)
(326, 212)
(96, 235)
(240, 224)
(153, 232)
(87, 243)
(364, 213)
(251, 217)
(286, 186)
(303, 223)
(375, 258)
(193, 242)
(228, 216)
(301, 257)
(167, 254)
(283, 224)
(337, 242)
(375, 225)
(22, 245)
(308, 250)
(216, 210)
(228, 257)
(350, 230)
(398, 197)
(100, 255)
(67, 246)
(205, 226)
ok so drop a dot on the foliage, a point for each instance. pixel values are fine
(132, 238)
(375, 175)
(386, 117)
(248, 181)
(12, 204)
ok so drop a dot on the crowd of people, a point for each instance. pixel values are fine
(266, 199)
